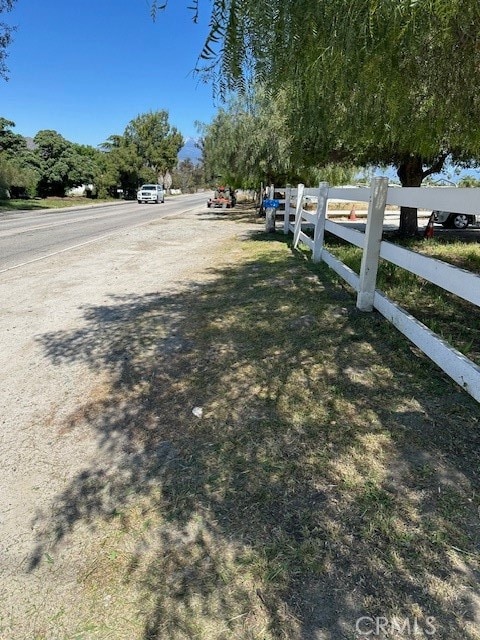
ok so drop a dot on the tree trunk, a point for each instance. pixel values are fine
(410, 173)
(167, 181)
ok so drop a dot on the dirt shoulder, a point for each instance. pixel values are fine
(41, 391)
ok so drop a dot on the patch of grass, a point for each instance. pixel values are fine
(347, 206)
(333, 473)
(453, 319)
(47, 203)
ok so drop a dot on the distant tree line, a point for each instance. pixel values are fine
(147, 151)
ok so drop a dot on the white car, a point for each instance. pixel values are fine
(150, 193)
(450, 220)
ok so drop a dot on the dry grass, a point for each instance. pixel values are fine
(333, 473)
(347, 206)
(455, 320)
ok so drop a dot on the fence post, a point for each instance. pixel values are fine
(319, 232)
(373, 238)
(286, 217)
(270, 213)
(298, 215)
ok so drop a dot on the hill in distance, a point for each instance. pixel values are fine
(190, 151)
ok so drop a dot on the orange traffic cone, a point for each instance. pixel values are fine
(428, 233)
(351, 215)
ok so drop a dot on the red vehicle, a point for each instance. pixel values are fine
(224, 198)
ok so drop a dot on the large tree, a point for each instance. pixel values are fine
(188, 176)
(156, 141)
(249, 142)
(62, 164)
(19, 173)
(368, 82)
(122, 167)
(146, 152)
(10, 142)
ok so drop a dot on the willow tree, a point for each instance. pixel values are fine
(249, 142)
(369, 81)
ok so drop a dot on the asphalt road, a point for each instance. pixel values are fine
(29, 236)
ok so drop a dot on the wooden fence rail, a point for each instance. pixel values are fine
(462, 283)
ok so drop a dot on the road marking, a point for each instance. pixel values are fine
(52, 224)
(82, 244)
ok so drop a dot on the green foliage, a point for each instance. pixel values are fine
(379, 82)
(19, 177)
(146, 151)
(5, 36)
(369, 82)
(62, 164)
(121, 167)
(4, 181)
(188, 176)
(18, 167)
(249, 142)
(10, 142)
(156, 142)
(469, 181)
(334, 173)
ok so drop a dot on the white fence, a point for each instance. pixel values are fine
(462, 283)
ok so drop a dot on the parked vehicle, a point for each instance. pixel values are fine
(224, 197)
(151, 193)
(451, 220)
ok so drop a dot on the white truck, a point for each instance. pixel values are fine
(151, 193)
(450, 220)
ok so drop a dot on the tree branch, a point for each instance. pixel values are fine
(437, 166)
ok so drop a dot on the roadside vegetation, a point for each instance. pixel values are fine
(35, 204)
(50, 166)
(455, 320)
(390, 84)
(285, 466)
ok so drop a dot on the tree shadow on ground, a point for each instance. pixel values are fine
(241, 212)
(282, 464)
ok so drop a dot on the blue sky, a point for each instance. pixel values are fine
(86, 68)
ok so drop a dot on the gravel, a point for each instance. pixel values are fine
(38, 456)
